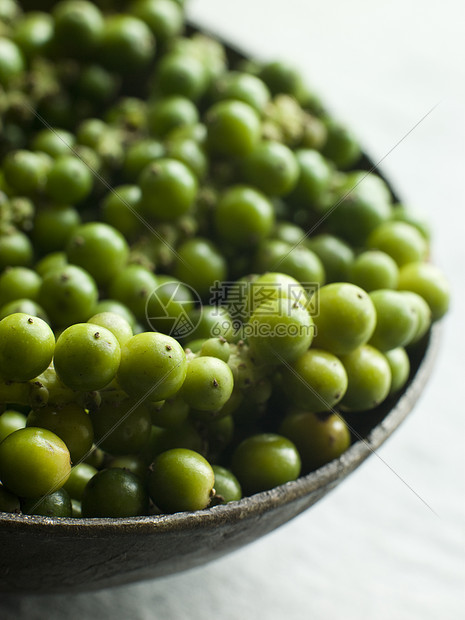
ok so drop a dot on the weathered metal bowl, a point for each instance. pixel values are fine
(40, 554)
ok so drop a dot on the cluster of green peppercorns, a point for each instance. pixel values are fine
(198, 277)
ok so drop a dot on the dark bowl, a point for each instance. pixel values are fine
(41, 554)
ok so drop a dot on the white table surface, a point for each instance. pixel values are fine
(371, 550)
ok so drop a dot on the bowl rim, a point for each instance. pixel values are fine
(327, 476)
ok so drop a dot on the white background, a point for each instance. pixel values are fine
(371, 550)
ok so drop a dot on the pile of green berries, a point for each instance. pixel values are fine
(199, 281)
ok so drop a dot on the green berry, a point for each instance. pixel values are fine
(396, 321)
(115, 323)
(115, 307)
(373, 270)
(168, 189)
(360, 204)
(163, 17)
(215, 347)
(17, 283)
(341, 146)
(180, 480)
(23, 306)
(313, 180)
(11, 421)
(55, 142)
(33, 33)
(68, 295)
(99, 249)
(181, 74)
(402, 241)
(11, 62)
(53, 226)
(79, 476)
(316, 381)
(233, 128)
(169, 113)
(24, 171)
(78, 27)
(211, 321)
(71, 423)
(127, 44)
(56, 504)
(200, 264)
(422, 311)
(26, 347)
(281, 77)
(227, 487)
(243, 216)
(242, 87)
(296, 261)
(152, 365)
(87, 357)
(399, 363)
(133, 287)
(319, 438)
(264, 461)
(208, 384)
(336, 255)
(279, 331)
(51, 261)
(369, 379)
(114, 493)
(34, 462)
(271, 167)
(134, 464)
(69, 180)
(121, 209)
(345, 318)
(429, 282)
(15, 250)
